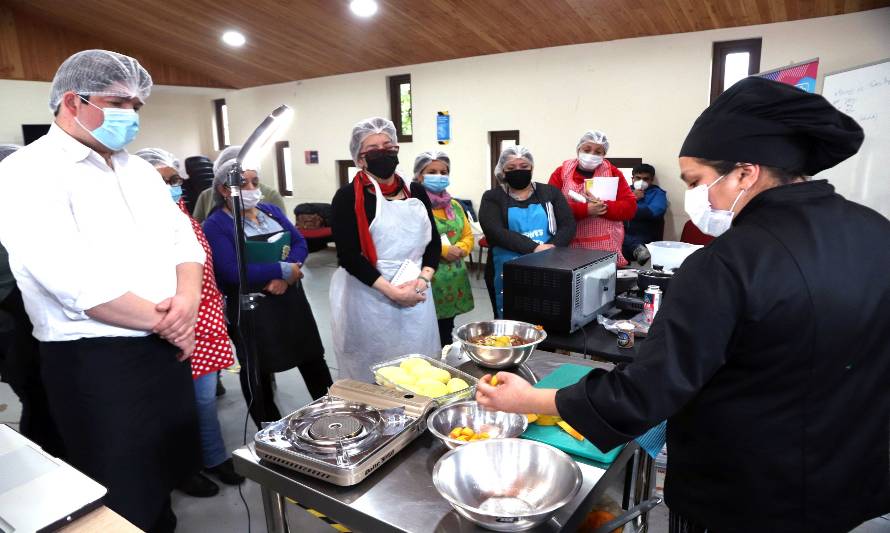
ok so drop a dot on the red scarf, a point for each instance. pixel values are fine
(359, 183)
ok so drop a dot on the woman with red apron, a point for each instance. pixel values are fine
(388, 248)
(600, 222)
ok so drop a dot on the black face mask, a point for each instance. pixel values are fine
(518, 179)
(382, 163)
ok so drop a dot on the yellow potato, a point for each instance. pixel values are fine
(467, 432)
(456, 384)
(434, 389)
(415, 365)
(531, 418)
(547, 420)
(394, 375)
(570, 430)
(494, 381)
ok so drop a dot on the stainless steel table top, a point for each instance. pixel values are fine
(400, 495)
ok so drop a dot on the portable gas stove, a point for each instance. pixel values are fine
(342, 437)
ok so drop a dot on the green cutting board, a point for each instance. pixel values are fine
(564, 376)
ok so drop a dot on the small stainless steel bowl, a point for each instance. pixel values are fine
(507, 484)
(497, 424)
(494, 357)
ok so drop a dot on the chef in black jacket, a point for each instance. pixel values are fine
(770, 356)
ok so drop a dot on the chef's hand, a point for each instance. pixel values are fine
(542, 247)
(406, 294)
(180, 318)
(513, 394)
(454, 253)
(296, 274)
(276, 287)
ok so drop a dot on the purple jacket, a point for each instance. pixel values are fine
(220, 232)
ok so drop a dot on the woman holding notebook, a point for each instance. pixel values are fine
(388, 248)
(599, 213)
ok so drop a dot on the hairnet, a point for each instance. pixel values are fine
(221, 174)
(158, 157)
(366, 128)
(100, 72)
(426, 158)
(508, 153)
(231, 152)
(7, 149)
(594, 136)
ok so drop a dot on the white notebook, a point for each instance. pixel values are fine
(603, 187)
(408, 271)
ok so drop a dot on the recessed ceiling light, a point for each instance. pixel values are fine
(234, 38)
(363, 8)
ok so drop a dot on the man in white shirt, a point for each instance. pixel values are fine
(110, 272)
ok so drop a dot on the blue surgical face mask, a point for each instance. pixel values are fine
(176, 192)
(117, 130)
(436, 182)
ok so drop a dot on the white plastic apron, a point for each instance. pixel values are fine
(367, 326)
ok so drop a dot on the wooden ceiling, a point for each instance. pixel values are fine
(179, 40)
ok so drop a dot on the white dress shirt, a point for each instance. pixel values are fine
(80, 234)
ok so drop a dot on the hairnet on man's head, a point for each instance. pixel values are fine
(102, 73)
(594, 136)
(7, 149)
(426, 158)
(365, 128)
(509, 153)
(158, 157)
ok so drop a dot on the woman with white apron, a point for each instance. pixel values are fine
(382, 227)
(521, 217)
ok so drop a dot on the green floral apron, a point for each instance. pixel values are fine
(451, 284)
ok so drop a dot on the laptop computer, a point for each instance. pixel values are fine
(37, 491)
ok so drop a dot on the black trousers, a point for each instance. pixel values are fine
(125, 408)
(263, 409)
(446, 326)
(21, 370)
(681, 524)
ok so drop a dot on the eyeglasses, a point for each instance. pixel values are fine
(175, 180)
(392, 149)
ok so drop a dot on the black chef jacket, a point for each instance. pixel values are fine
(770, 358)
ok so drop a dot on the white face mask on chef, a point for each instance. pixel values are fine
(714, 222)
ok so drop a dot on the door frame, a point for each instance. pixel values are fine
(494, 148)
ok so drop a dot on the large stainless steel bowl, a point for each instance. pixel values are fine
(494, 357)
(507, 484)
(497, 424)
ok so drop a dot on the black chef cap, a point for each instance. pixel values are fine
(774, 124)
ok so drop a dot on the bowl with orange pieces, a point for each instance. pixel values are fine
(461, 423)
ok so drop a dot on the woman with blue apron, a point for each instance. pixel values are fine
(520, 217)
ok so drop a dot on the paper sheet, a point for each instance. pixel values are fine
(603, 187)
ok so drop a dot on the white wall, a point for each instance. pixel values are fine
(644, 93)
(179, 119)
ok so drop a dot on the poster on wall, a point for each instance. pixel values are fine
(443, 127)
(802, 75)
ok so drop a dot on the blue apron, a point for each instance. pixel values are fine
(530, 221)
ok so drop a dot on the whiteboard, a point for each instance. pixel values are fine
(864, 94)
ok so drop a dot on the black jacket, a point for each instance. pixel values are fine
(344, 227)
(493, 218)
(770, 357)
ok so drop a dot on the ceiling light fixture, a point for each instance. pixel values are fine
(363, 8)
(234, 38)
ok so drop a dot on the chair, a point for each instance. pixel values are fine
(693, 235)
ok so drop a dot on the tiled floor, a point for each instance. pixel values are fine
(226, 512)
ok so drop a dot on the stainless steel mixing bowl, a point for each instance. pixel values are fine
(507, 484)
(497, 424)
(494, 357)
